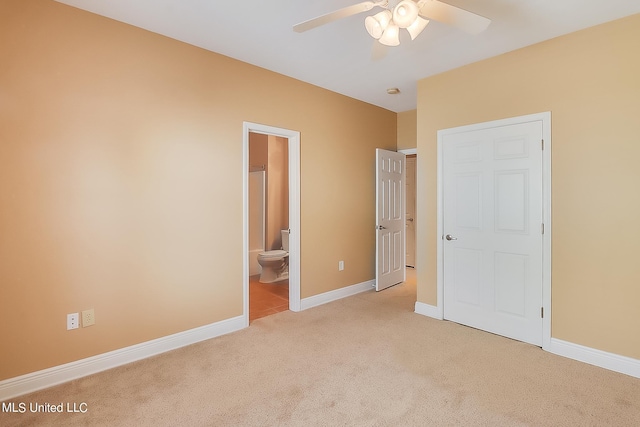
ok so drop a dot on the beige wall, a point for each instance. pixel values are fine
(277, 191)
(258, 150)
(121, 182)
(589, 81)
(258, 158)
(407, 129)
(271, 152)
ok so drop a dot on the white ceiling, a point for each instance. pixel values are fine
(338, 56)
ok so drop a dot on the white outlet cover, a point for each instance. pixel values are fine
(73, 321)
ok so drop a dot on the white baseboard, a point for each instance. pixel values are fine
(603, 359)
(428, 310)
(34, 381)
(337, 294)
(592, 356)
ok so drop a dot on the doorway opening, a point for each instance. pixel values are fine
(411, 215)
(410, 211)
(271, 211)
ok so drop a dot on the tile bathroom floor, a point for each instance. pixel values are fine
(267, 298)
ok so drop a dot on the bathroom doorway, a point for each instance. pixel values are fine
(271, 220)
(410, 205)
(410, 211)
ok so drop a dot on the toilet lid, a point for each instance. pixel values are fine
(274, 254)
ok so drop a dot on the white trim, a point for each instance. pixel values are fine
(546, 237)
(428, 310)
(592, 356)
(39, 380)
(611, 361)
(545, 118)
(336, 294)
(408, 151)
(294, 221)
(294, 211)
(440, 232)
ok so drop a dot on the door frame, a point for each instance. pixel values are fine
(407, 153)
(545, 118)
(293, 138)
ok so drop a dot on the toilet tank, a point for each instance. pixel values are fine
(285, 240)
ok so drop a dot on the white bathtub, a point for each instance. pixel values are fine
(254, 267)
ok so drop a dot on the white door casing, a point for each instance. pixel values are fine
(293, 138)
(390, 218)
(493, 201)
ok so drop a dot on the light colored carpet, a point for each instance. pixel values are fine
(367, 360)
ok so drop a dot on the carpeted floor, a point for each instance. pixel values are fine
(366, 360)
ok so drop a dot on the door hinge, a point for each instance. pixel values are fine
(542, 144)
(542, 312)
(542, 228)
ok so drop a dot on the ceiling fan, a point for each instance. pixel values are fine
(413, 15)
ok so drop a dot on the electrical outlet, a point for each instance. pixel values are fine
(340, 265)
(72, 321)
(88, 318)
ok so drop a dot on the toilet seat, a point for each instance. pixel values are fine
(273, 254)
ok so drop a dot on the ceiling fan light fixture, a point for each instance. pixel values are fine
(405, 13)
(373, 27)
(391, 35)
(377, 23)
(416, 28)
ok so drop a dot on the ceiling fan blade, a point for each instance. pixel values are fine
(459, 18)
(338, 14)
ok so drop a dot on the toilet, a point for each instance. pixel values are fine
(275, 264)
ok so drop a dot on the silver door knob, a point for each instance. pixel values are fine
(410, 219)
(450, 237)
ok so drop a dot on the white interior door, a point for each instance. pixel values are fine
(390, 218)
(492, 229)
(410, 214)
